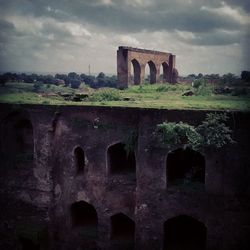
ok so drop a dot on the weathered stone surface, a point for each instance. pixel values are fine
(139, 58)
(36, 197)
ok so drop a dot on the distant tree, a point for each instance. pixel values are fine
(245, 76)
(228, 78)
(3, 80)
(73, 75)
(101, 75)
(36, 87)
(74, 83)
(200, 75)
(89, 80)
(61, 76)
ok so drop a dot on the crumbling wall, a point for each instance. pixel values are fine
(43, 192)
(139, 59)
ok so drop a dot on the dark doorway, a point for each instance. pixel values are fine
(184, 233)
(85, 226)
(17, 139)
(123, 232)
(83, 214)
(184, 167)
(152, 68)
(79, 159)
(120, 161)
(135, 72)
(165, 72)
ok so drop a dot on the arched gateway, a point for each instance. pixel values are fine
(131, 63)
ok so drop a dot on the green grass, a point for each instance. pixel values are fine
(163, 96)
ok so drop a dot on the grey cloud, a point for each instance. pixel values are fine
(244, 4)
(210, 28)
(216, 38)
(162, 15)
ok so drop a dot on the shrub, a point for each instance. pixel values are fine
(130, 141)
(171, 133)
(162, 88)
(239, 92)
(213, 132)
(106, 95)
(36, 87)
(202, 88)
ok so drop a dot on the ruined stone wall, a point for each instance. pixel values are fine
(42, 191)
(139, 59)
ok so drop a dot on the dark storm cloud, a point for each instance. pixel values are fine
(244, 4)
(122, 16)
(33, 28)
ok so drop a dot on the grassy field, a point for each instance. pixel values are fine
(165, 96)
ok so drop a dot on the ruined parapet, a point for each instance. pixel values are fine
(139, 58)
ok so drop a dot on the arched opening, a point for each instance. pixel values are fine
(152, 74)
(17, 139)
(147, 74)
(122, 231)
(135, 72)
(84, 215)
(79, 159)
(184, 233)
(120, 161)
(164, 67)
(186, 167)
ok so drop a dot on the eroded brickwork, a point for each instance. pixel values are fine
(67, 198)
(139, 58)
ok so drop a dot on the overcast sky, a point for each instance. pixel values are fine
(207, 36)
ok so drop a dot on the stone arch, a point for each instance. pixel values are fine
(185, 233)
(165, 72)
(136, 79)
(79, 157)
(153, 71)
(122, 231)
(143, 57)
(17, 137)
(185, 167)
(119, 160)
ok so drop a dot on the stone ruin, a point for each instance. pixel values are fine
(132, 61)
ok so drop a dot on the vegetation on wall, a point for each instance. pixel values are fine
(130, 141)
(213, 132)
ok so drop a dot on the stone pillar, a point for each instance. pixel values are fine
(123, 69)
(142, 73)
(158, 67)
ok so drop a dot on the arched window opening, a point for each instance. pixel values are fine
(186, 167)
(184, 233)
(79, 160)
(18, 143)
(164, 68)
(152, 74)
(84, 215)
(123, 231)
(135, 72)
(120, 161)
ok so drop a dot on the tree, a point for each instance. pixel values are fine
(3, 80)
(228, 78)
(245, 76)
(75, 84)
(73, 75)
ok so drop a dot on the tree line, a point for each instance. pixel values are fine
(71, 79)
